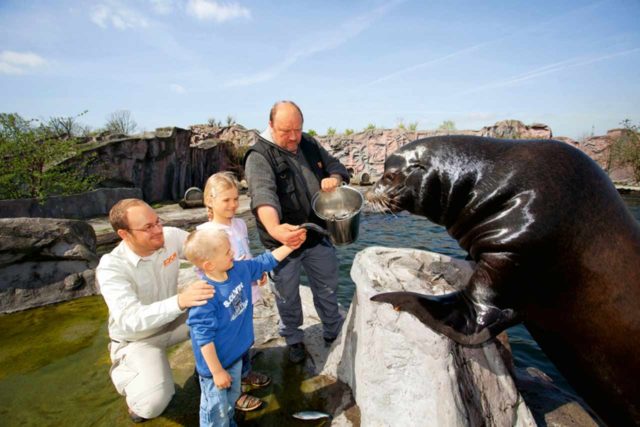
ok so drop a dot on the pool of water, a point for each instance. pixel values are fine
(54, 363)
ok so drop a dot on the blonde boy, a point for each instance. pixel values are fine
(222, 329)
(221, 197)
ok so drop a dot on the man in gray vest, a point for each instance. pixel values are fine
(284, 169)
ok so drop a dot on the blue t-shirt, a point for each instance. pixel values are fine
(227, 318)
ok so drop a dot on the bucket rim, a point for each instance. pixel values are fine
(315, 197)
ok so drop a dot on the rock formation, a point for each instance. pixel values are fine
(366, 152)
(401, 372)
(515, 129)
(598, 148)
(166, 163)
(163, 164)
(43, 261)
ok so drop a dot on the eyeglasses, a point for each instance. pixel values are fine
(149, 227)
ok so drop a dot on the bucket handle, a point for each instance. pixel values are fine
(315, 227)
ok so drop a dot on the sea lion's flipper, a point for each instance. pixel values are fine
(453, 315)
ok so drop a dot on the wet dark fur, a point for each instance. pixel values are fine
(554, 245)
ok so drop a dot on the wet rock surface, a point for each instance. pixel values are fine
(43, 261)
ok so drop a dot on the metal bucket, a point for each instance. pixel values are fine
(340, 209)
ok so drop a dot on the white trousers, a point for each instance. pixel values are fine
(140, 370)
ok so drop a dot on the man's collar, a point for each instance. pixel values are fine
(266, 134)
(134, 258)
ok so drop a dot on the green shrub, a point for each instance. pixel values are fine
(312, 132)
(331, 132)
(370, 126)
(447, 125)
(348, 131)
(33, 156)
(625, 150)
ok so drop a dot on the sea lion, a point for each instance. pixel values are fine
(554, 245)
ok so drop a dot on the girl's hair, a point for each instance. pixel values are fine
(201, 245)
(216, 183)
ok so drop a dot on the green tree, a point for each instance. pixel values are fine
(625, 150)
(447, 125)
(370, 126)
(348, 131)
(34, 157)
(331, 131)
(312, 132)
(413, 126)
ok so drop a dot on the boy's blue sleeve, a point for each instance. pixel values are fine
(203, 323)
(260, 264)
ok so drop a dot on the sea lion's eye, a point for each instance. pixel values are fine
(413, 166)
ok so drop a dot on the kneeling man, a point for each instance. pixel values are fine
(139, 283)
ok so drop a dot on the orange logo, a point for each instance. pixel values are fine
(169, 260)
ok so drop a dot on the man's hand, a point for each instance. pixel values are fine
(330, 184)
(222, 379)
(290, 235)
(196, 293)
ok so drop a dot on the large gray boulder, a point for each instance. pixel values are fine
(43, 261)
(401, 372)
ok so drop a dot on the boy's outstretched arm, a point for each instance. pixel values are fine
(283, 251)
(221, 377)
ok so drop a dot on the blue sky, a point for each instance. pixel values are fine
(574, 65)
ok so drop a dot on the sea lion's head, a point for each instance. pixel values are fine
(399, 187)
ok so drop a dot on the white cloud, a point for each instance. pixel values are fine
(117, 16)
(19, 62)
(206, 10)
(179, 89)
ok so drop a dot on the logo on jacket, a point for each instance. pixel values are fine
(170, 259)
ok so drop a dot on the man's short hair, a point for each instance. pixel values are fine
(277, 105)
(118, 213)
(201, 245)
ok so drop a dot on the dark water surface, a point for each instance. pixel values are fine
(54, 363)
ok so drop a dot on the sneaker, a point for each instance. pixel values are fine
(297, 352)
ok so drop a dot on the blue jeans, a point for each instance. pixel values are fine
(217, 406)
